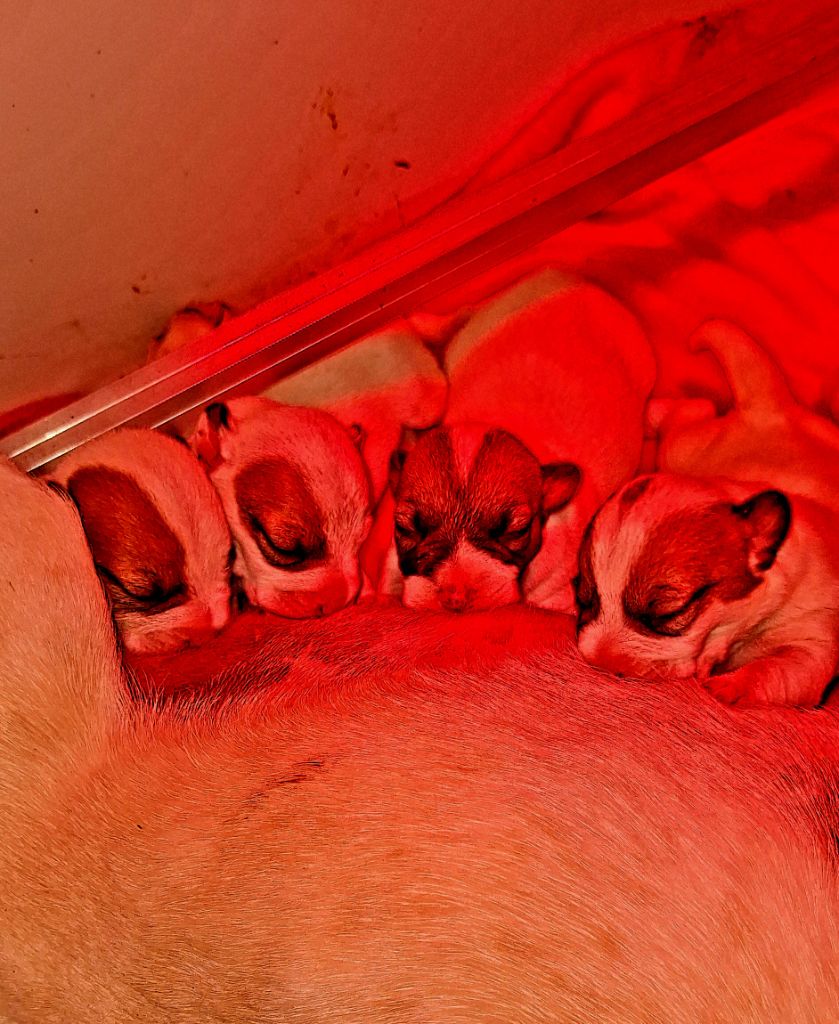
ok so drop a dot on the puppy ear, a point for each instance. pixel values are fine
(208, 440)
(358, 435)
(397, 461)
(767, 518)
(60, 490)
(560, 482)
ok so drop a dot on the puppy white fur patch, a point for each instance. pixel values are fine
(188, 325)
(296, 495)
(566, 369)
(158, 535)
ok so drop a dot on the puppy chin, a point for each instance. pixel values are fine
(426, 594)
(617, 657)
(305, 604)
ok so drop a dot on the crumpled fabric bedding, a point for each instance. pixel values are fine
(749, 233)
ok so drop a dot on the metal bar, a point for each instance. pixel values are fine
(467, 236)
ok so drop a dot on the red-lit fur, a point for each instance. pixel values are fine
(363, 842)
(755, 588)
(382, 383)
(470, 506)
(766, 437)
(567, 369)
(296, 495)
(766, 440)
(158, 534)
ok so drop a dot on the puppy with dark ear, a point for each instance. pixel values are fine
(296, 496)
(767, 441)
(470, 504)
(158, 535)
(566, 369)
(683, 577)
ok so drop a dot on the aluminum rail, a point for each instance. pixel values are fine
(468, 235)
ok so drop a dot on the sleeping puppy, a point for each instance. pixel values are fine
(566, 369)
(684, 577)
(731, 573)
(470, 505)
(296, 495)
(157, 533)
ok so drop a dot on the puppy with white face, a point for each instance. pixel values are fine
(470, 504)
(296, 496)
(683, 577)
(158, 535)
(767, 440)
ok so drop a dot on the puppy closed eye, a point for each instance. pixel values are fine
(144, 593)
(286, 554)
(674, 621)
(410, 524)
(511, 526)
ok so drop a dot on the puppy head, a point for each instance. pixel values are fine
(295, 493)
(470, 504)
(670, 575)
(157, 533)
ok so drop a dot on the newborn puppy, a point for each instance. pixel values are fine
(684, 577)
(470, 504)
(566, 369)
(157, 533)
(295, 493)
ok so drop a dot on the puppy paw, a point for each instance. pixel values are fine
(732, 688)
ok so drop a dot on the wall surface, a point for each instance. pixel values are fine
(158, 154)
